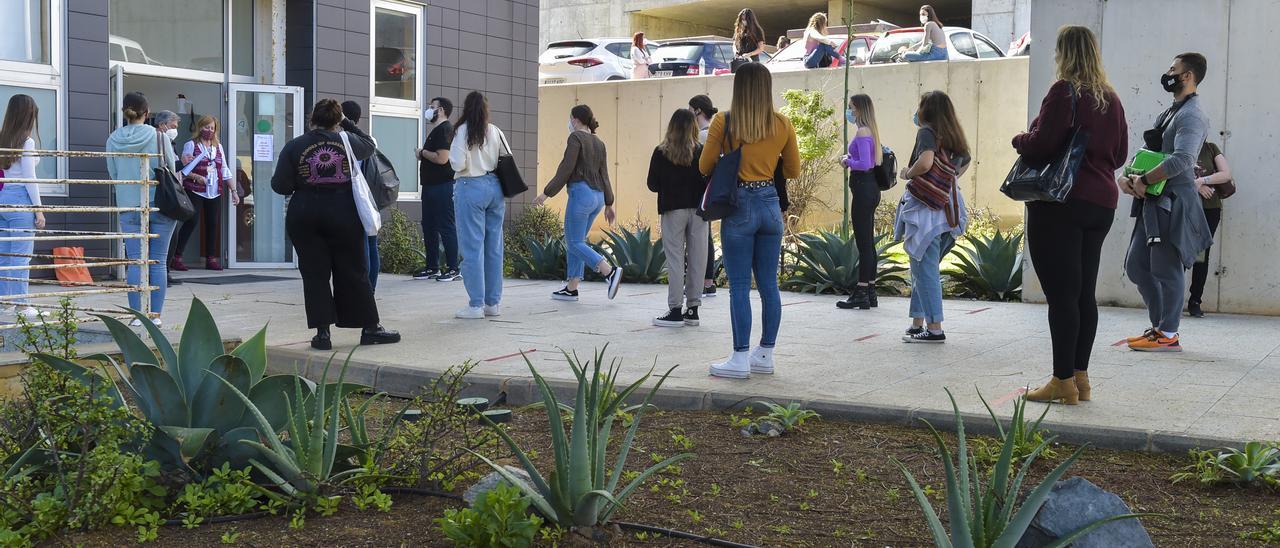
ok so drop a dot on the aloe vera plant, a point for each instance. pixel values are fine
(1259, 462)
(982, 516)
(989, 267)
(1026, 435)
(581, 491)
(826, 262)
(197, 421)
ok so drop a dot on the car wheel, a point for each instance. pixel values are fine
(614, 78)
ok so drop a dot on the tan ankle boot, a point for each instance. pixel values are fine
(1063, 390)
(1082, 385)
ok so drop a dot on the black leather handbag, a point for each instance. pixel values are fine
(507, 172)
(1052, 181)
(171, 198)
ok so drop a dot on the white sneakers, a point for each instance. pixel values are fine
(493, 310)
(470, 313)
(742, 364)
(138, 323)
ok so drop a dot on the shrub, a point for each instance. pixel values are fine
(542, 259)
(989, 267)
(826, 262)
(499, 519)
(400, 246)
(1259, 462)
(641, 258)
(818, 137)
(536, 222)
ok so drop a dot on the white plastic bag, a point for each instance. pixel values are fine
(368, 211)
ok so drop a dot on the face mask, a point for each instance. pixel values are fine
(171, 133)
(1172, 83)
(206, 133)
(848, 115)
(430, 114)
(924, 20)
(915, 119)
(570, 126)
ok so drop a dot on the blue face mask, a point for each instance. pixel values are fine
(915, 119)
(848, 115)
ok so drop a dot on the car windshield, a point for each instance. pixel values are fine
(678, 52)
(565, 50)
(795, 51)
(887, 46)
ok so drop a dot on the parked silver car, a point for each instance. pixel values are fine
(962, 45)
(587, 60)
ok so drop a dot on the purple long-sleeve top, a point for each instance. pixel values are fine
(862, 155)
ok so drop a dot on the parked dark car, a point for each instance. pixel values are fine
(686, 58)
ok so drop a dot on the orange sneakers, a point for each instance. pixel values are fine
(1145, 335)
(1157, 342)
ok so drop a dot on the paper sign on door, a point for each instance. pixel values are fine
(263, 147)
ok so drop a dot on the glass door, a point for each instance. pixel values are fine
(263, 118)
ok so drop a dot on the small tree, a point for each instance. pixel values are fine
(818, 136)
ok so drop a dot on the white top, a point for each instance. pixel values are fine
(25, 168)
(211, 189)
(476, 161)
(640, 56)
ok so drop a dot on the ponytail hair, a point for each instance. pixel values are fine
(135, 106)
(582, 113)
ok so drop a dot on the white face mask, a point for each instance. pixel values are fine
(430, 114)
(172, 133)
(924, 20)
(571, 126)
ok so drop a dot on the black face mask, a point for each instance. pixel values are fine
(1172, 83)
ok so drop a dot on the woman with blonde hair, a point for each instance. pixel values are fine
(640, 56)
(865, 153)
(751, 236)
(674, 175)
(1065, 239)
(819, 51)
(205, 174)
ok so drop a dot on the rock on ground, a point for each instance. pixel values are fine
(1075, 503)
(491, 481)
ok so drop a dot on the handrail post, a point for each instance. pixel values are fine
(144, 243)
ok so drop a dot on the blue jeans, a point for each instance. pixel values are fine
(438, 225)
(375, 262)
(926, 284)
(935, 54)
(158, 252)
(478, 209)
(813, 59)
(16, 220)
(584, 205)
(751, 242)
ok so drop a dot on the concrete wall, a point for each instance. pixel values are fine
(1239, 99)
(990, 98)
(1002, 20)
(661, 28)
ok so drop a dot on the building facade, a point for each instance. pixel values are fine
(256, 66)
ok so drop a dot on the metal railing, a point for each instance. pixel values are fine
(78, 289)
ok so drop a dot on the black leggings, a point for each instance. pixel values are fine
(1065, 242)
(1200, 270)
(210, 210)
(866, 197)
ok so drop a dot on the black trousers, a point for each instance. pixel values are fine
(711, 256)
(866, 197)
(331, 245)
(210, 209)
(1065, 242)
(1200, 270)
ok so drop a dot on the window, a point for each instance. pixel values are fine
(26, 36)
(725, 53)
(397, 139)
(242, 40)
(395, 51)
(963, 42)
(171, 33)
(859, 51)
(620, 49)
(985, 49)
(46, 133)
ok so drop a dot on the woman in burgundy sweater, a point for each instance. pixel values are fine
(1065, 239)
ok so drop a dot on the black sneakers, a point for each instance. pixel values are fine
(449, 275)
(672, 318)
(565, 295)
(1194, 310)
(691, 316)
(615, 280)
(923, 336)
(708, 292)
(426, 274)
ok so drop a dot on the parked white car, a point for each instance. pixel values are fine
(962, 45)
(587, 60)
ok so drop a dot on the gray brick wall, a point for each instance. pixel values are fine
(327, 50)
(88, 111)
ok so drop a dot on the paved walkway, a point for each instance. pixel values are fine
(1226, 386)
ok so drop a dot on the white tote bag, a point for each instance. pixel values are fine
(368, 211)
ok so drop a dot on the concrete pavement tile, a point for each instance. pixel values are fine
(1246, 406)
(1190, 392)
(1252, 386)
(1234, 427)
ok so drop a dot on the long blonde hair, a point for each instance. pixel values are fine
(818, 22)
(866, 117)
(204, 121)
(1080, 63)
(682, 138)
(752, 116)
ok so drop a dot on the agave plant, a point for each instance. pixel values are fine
(989, 515)
(1258, 462)
(580, 492)
(642, 259)
(826, 262)
(197, 421)
(543, 259)
(989, 267)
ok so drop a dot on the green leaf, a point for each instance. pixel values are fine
(191, 441)
(270, 396)
(931, 517)
(254, 353)
(131, 346)
(201, 343)
(162, 343)
(214, 406)
(159, 396)
(85, 376)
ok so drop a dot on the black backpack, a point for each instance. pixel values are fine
(887, 172)
(384, 184)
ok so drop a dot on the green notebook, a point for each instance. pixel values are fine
(1144, 161)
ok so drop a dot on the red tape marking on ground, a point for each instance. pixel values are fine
(978, 310)
(797, 302)
(530, 351)
(1005, 398)
(1120, 342)
(860, 339)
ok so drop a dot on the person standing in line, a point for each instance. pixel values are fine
(928, 234)
(166, 121)
(205, 174)
(1211, 170)
(352, 111)
(1170, 229)
(585, 169)
(21, 127)
(138, 137)
(1065, 239)
(640, 56)
(674, 175)
(933, 45)
(325, 228)
(752, 234)
(479, 207)
(865, 153)
(819, 51)
(436, 177)
(703, 111)
(748, 38)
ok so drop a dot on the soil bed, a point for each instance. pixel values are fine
(776, 492)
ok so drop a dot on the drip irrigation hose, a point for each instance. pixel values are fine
(221, 519)
(681, 534)
(423, 492)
